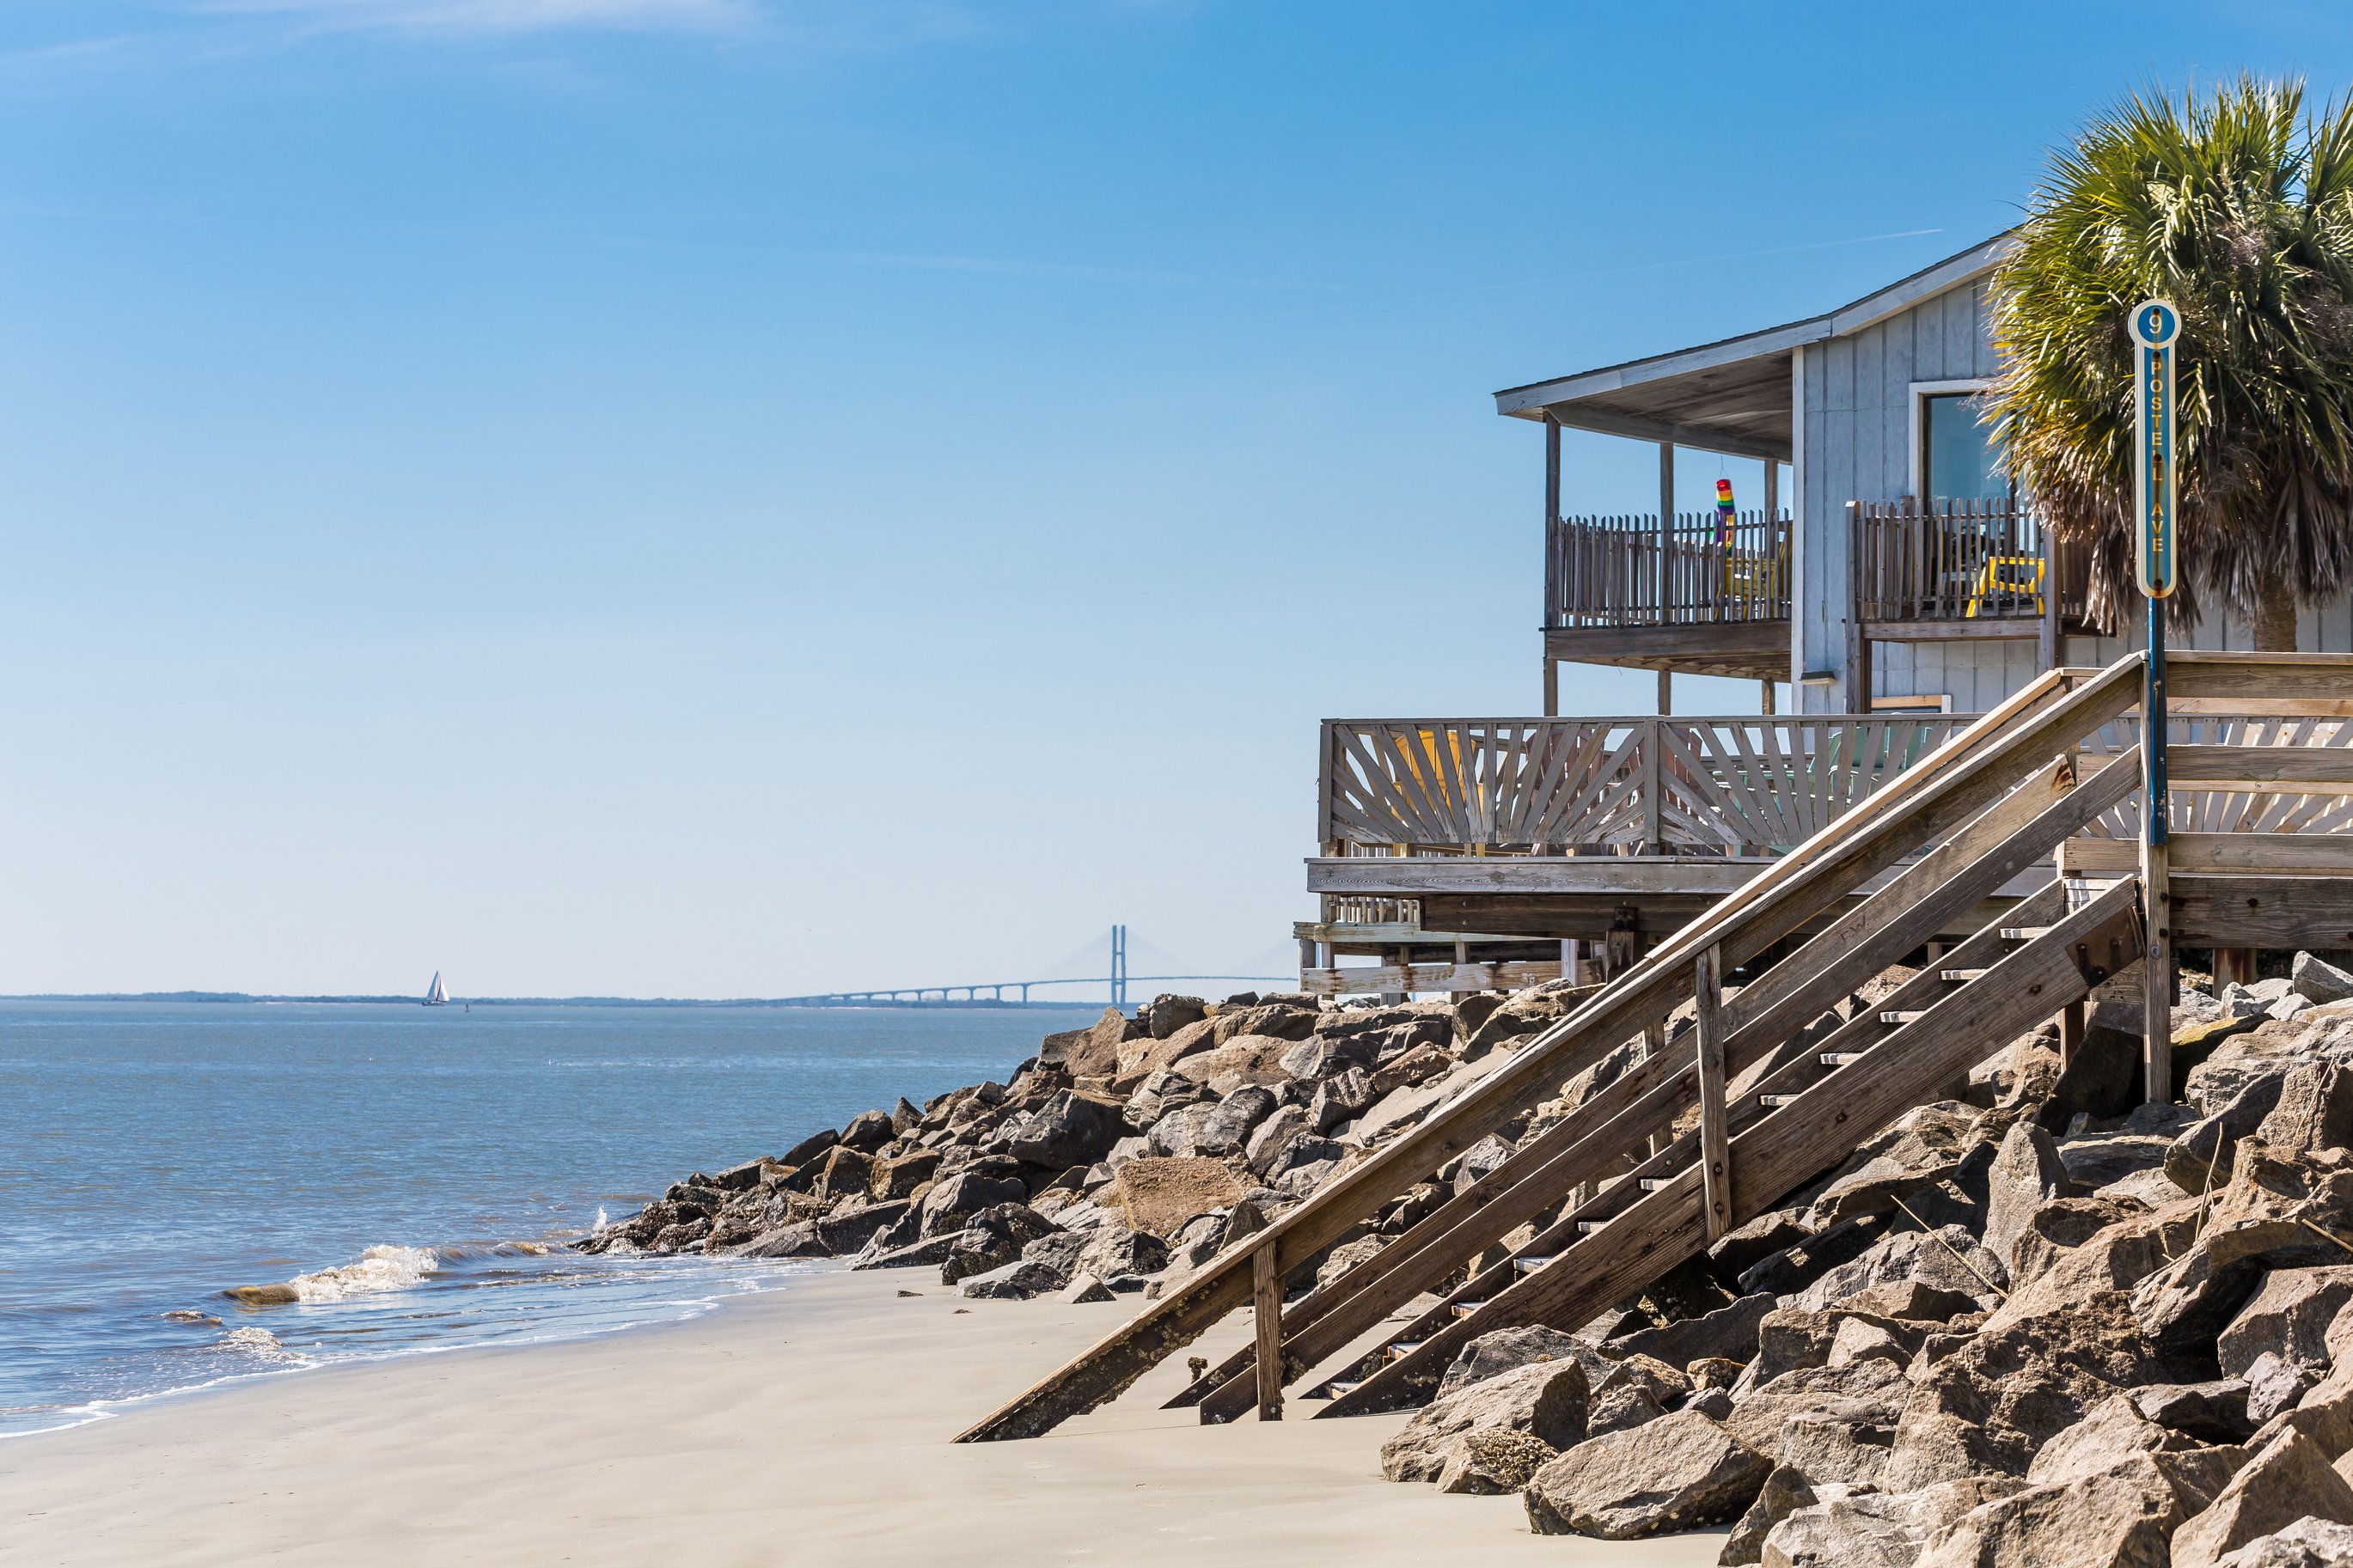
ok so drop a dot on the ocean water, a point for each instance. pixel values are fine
(412, 1170)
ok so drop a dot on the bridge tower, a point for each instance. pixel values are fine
(1119, 967)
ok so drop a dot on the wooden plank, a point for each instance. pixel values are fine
(2195, 674)
(1715, 1163)
(1266, 1295)
(1629, 878)
(1943, 790)
(2099, 857)
(2274, 909)
(2289, 852)
(2263, 769)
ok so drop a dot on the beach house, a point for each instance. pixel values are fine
(1889, 580)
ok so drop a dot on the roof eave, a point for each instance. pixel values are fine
(1530, 402)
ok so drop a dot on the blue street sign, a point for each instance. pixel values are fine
(2155, 325)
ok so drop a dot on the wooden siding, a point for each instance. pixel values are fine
(1857, 447)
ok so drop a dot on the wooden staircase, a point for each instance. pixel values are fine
(1736, 1111)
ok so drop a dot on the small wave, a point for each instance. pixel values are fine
(380, 1269)
(256, 1341)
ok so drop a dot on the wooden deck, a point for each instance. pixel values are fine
(1470, 833)
(1734, 1111)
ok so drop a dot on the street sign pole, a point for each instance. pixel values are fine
(2155, 326)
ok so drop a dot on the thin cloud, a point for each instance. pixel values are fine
(500, 15)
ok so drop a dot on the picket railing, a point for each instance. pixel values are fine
(1623, 572)
(1645, 784)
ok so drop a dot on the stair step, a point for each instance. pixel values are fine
(1341, 1390)
(1464, 1309)
(1961, 976)
(1529, 1265)
(1841, 1058)
(1774, 1101)
(1588, 1226)
(1900, 1016)
(2023, 934)
(1402, 1349)
(1654, 1184)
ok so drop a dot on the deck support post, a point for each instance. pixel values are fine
(1666, 693)
(2157, 909)
(2071, 1033)
(2047, 639)
(1266, 1299)
(1666, 534)
(1714, 1145)
(1551, 687)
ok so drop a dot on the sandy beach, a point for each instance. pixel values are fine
(809, 1425)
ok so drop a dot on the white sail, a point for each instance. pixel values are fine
(436, 996)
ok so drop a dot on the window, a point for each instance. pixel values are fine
(1957, 451)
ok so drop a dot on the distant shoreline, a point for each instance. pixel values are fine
(462, 1002)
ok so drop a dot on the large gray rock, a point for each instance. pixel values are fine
(1500, 1350)
(1493, 1461)
(2306, 1543)
(1728, 1334)
(2314, 1109)
(1794, 1268)
(2027, 1173)
(2119, 1516)
(1950, 1258)
(2263, 1219)
(1678, 1472)
(2289, 1316)
(1834, 1424)
(2199, 1159)
(2212, 1412)
(2274, 1386)
(1070, 1129)
(995, 1238)
(1923, 1146)
(829, 1236)
(2026, 1377)
(1872, 1530)
(1271, 1139)
(1792, 1338)
(1786, 1491)
(1546, 1400)
(1627, 1405)
(2290, 1479)
(1016, 1282)
(2056, 1229)
(949, 1206)
(869, 1130)
(2319, 981)
(1114, 1250)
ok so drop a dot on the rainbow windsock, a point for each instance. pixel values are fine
(1725, 516)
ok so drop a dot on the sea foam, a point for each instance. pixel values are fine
(379, 1270)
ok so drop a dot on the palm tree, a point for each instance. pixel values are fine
(2237, 206)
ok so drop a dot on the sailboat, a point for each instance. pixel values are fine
(436, 996)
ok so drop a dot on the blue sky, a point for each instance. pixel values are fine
(715, 496)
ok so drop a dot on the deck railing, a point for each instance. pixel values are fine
(1950, 561)
(1622, 571)
(1648, 786)
(1624, 785)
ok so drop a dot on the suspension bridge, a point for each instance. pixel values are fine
(1016, 993)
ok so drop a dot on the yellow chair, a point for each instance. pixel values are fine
(2020, 575)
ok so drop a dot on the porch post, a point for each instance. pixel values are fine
(1553, 586)
(1666, 526)
(1666, 691)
